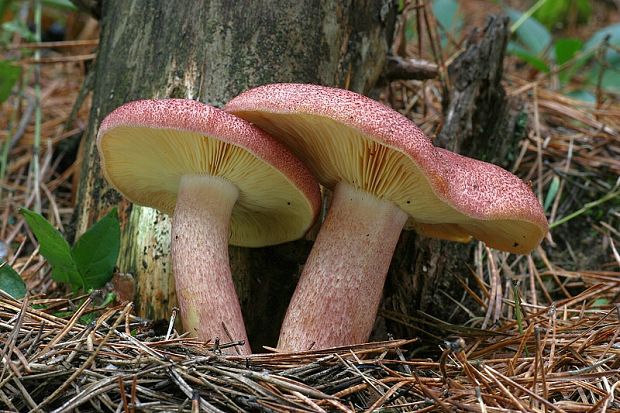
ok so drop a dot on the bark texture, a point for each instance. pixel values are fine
(480, 120)
(211, 51)
(482, 123)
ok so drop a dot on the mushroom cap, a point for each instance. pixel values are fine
(146, 146)
(344, 136)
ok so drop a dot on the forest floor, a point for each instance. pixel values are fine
(546, 339)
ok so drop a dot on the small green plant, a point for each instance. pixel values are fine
(9, 74)
(554, 13)
(87, 265)
(447, 15)
(10, 281)
(535, 45)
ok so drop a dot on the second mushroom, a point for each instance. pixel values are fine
(385, 174)
(222, 180)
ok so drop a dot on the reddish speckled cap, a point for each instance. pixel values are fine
(147, 145)
(342, 135)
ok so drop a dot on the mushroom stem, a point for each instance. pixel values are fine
(338, 294)
(200, 233)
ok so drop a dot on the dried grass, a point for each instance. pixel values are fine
(566, 360)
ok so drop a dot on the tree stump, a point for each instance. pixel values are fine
(211, 50)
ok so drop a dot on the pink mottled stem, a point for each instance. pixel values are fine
(338, 295)
(200, 233)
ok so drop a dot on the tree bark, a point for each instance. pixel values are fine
(211, 51)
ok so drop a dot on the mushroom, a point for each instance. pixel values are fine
(222, 180)
(385, 174)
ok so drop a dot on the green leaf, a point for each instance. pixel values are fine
(531, 34)
(96, 251)
(582, 95)
(565, 49)
(108, 299)
(9, 74)
(518, 312)
(613, 31)
(19, 27)
(447, 14)
(533, 60)
(601, 302)
(54, 248)
(10, 281)
(88, 318)
(552, 12)
(612, 57)
(557, 12)
(610, 81)
(60, 4)
(590, 48)
(552, 193)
